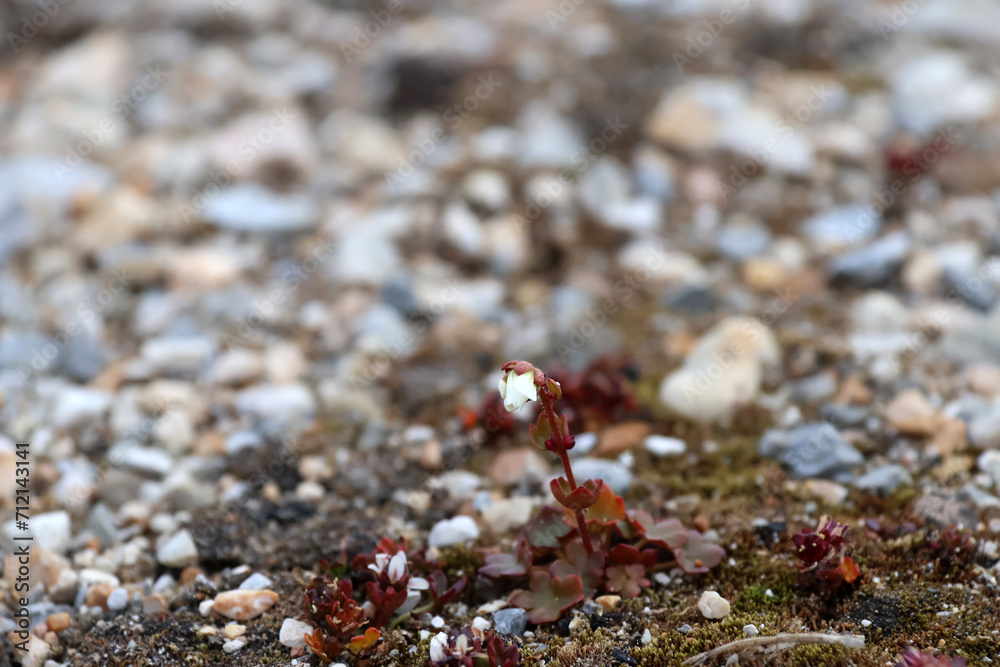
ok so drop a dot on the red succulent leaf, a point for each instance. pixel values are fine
(509, 565)
(696, 556)
(609, 508)
(588, 567)
(386, 601)
(325, 646)
(626, 554)
(364, 642)
(667, 533)
(579, 498)
(547, 529)
(549, 596)
(539, 432)
(500, 655)
(441, 593)
(626, 579)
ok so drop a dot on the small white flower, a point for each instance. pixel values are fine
(417, 584)
(516, 390)
(438, 644)
(381, 560)
(397, 567)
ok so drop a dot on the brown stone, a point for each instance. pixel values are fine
(911, 414)
(189, 574)
(949, 435)
(430, 455)
(58, 622)
(608, 602)
(243, 605)
(620, 437)
(98, 594)
(853, 390)
(513, 466)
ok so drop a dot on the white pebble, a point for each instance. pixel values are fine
(234, 645)
(480, 623)
(293, 633)
(713, 605)
(661, 445)
(866, 623)
(646, 636)
(453, 531)
(750, 630)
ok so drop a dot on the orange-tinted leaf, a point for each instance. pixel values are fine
(850, 569)
(539, 432)
(609, 508)
(364, 642)
(579, 498)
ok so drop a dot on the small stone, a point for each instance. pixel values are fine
(614, 474)
(866, 623)
(97, 595)
(620, 437)
(723, 371)
(447, 532)
(243, 605)
(178, 551)
(234, 630)
(812, 450)
(117, 599)
(58, 622)
(646, 637)
(256, 582)
(685, 629)
(508, 513)
(514, 466)
(608, 602)
(510, 621)
(911, 413)
(750, 630)
(712, 605)
(254, 208)
(38, 651)
(662, 445)
(765, 274)
(829, 492)
(293, 633)
(205, 607)
(234, 645)
(153, 605)
(885, 479)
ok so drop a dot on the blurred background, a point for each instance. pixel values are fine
(226, 225)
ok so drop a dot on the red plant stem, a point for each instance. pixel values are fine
(546, 399)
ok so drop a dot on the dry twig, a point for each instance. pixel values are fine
(776, 643)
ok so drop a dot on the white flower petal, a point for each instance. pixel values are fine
(502, 386)
(417, 584)
(525, 384)
(397, 567)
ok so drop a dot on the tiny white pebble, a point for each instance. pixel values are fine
(234, 645)
(769, 593)
(877, 580)
(480, 623)
(662, 579)
(205, 607)
(865, 622)
(424, 634)
(732, 562)
(750, 630)
(646, 636)
(437, 622)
